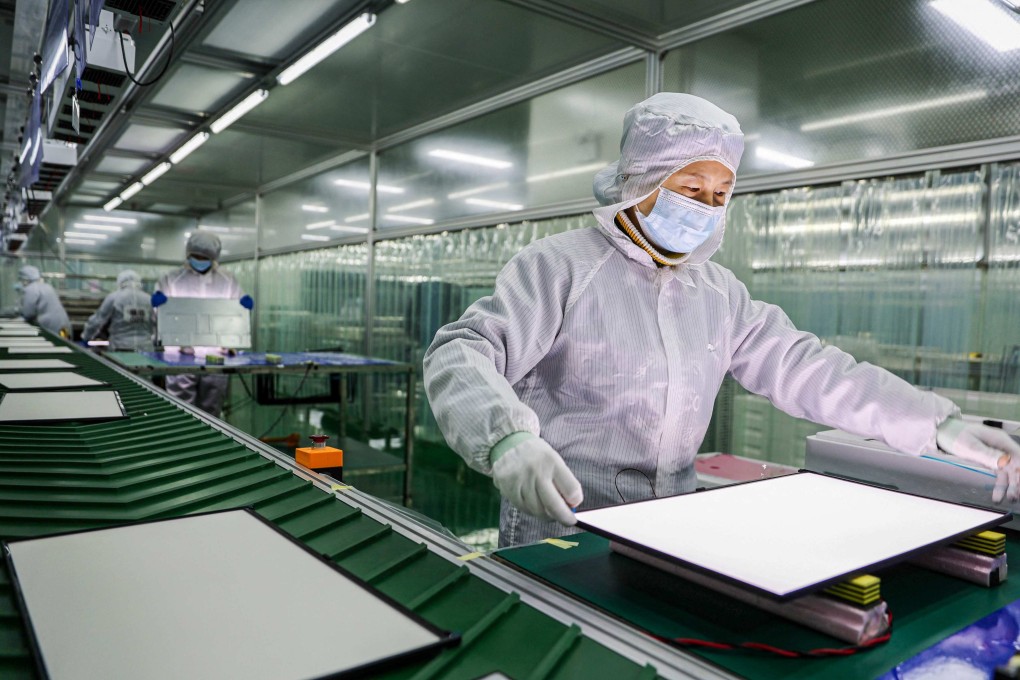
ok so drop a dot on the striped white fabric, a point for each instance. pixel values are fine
(616, 363)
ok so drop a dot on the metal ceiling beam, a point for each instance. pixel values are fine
(222, 60)
(161, 115)
(589, 22)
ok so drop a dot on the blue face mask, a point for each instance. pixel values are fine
(200, 266)
(679, 224)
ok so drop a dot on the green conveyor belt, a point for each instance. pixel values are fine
(164, 462)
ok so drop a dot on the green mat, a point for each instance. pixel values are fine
(926, 608)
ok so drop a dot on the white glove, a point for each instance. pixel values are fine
(986, 446)
(534, 478)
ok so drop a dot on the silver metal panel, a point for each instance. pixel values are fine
(197, 88)
(49, 407)
(149, 138)
(46, 381)
(203, 322)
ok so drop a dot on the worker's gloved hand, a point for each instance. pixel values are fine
(534, 478)
(986, 446)
(83, 343)
(158, 298)
(1007, 482)
(247, 302)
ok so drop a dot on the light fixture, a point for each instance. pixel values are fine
(477, 190)
(409, 219)
(98, 227)
(156, 173)
(81, 234)
(567, 172)
(80, 241)
(413, 204)
(986, 21)
(132, 190)
(344, 227)
(493, 204)
(773, 156)
(320, 225)
(355, 184)
(314, 237)
(246, 105)
(189, 146)
(349, 32)
(470, 159)
(894, 111)
(357, 218)
(307, 207)
(113, 203)
(216, 228)
(108, 218)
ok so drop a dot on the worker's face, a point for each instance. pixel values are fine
(707, 182)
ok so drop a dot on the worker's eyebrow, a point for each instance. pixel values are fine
(698, 175)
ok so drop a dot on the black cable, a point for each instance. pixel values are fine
(283, 412)
(166, 64)
(616, 482)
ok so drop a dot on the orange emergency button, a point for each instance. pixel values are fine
(318, 455)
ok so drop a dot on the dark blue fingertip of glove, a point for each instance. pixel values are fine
(158, 298)
(83, 343)
(247, 302)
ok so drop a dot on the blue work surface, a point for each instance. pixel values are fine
(259, 359)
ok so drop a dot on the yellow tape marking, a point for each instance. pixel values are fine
(339, 487)
(559, 543)
(470, 556)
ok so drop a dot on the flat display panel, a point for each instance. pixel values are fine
(46, 381)
(786, 536)
(27, 331)
(28, 340)
(32, 364)
(39, 350)
(58, 407)
(223, 595)
(203, 322)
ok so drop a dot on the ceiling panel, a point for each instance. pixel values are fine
(273, 29)
(198, 89)
(425, 59)
(118, 165)
(149, 138)
(652, 18)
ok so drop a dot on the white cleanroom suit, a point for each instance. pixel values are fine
(128, 313)
(40, 304)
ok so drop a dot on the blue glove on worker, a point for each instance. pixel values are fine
(534, 478)
(83, 343)
(987, 446)
(247, 302)
(158, 298)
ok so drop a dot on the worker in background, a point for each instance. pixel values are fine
(200, 277)
(40, 304)
(588, 377)
(128, 313)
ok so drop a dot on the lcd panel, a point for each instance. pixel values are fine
(203, 322)
(786, 536)
(32, 364)
(27, 331)
(223, 595)
(39, 350)
(34, 340)
(46, 381)
(58, 407)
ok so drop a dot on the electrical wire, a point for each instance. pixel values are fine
(616, 482)
(166, 64)
(283, 412)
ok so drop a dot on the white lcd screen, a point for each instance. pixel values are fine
(46, 381)
(27, 331)
(32, 364)
(786, 536)
(56, 407)
(221, 595)
(40, 350)
(25, 341)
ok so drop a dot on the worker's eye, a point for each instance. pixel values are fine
(695, 190)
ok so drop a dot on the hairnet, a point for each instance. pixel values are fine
(126, 277)
(204, 243)
(29, 273)
(662, 134)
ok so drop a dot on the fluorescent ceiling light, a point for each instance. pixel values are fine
(493, 204)
(156, 173)
(132, 190)
(786, 159)
(470, 159)
(110, 218)
(320, 225)
(113, 203)
(98, 227)
(893, 111)
(413, 204)
(327, 47)
(478, 190)
(314, 237)
(215, 228)
(80, 241)
(189, 146)
(231, 116)
(355, 184)
(358, 218)
(307, 207)
(344, 227)
(81, 234)
(985, 20)
(577, 170)
(409, 219)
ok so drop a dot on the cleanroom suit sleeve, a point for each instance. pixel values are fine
(473, 363)
(824, 384)
(99, 318)
(30, 302)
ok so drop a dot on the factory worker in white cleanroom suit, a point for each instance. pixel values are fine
(588, 377)
(128, 313)
(200, 277)
(40, 304)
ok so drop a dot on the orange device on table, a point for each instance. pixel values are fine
(318, 456)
